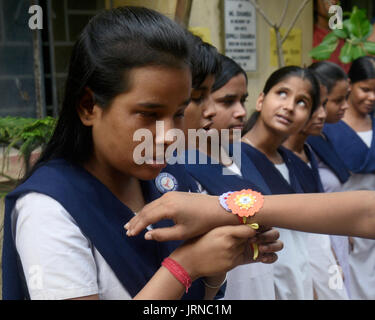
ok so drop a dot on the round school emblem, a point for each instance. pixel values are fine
(165, 182)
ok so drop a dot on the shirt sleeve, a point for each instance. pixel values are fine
(56, 257)
(200, 187)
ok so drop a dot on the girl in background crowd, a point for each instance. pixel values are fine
(289, 98)
(333, 172)
(305, 166)
(353, 140)
(228, 95)
(207, 69)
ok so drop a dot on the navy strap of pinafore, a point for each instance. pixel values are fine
(212, 178)
(352, 150)
(271, 175)
(101, 217)
(307, 176)
(324, 149)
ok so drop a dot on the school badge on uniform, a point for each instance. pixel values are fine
(165, 182)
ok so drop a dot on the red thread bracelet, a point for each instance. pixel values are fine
(178, 271)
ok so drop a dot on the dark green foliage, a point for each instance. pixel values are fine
(24, 134)
(356, 29)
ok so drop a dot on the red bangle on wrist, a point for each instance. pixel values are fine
(178, 272)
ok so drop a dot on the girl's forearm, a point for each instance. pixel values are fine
(347, 213)
(162, 286)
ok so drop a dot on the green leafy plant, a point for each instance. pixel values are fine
(356, 29)
(24, 134)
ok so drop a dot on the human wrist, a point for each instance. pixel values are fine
(220, 215)
(183, 257)
(178, 272)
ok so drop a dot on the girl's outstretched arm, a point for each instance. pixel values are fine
(349, 213)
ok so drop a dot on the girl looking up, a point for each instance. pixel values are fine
(289, 98)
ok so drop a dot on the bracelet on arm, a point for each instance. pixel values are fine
(245, 203)
(214, 287)
(178, 272)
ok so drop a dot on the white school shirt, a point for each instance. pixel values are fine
(58, 260)
(326, 273)
(292, 274)
(366, 136)
(362, 257)
(252, 281)
(312, 257)
(339, 244)
(327, 280)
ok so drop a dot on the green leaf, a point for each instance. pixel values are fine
(323, 51)
(346, 53)
(356, 41)
(330, 38)
(369, 47)
(360, 25)
(348, 27)
(340, 33)
(357, 51)
(368, 34)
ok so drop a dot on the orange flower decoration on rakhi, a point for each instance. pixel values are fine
(245, 203)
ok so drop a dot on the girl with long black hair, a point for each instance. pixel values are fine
(64, 224)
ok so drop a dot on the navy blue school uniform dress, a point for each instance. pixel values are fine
(99, 216)
(307, 174)
(292, 274)
(247, 282)
(321, 255)
(333, 171)
(334, 174)
(351, 148)
(357, 151)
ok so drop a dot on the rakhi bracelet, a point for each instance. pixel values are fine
(215, 287)
(178, 272)
(223, 201)
(245, 203)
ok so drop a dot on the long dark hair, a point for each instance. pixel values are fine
(362, 69)
(111, 44)
(229, 69)
(281, 75)
(328, 73)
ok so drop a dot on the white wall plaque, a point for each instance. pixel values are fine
(240, 33)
